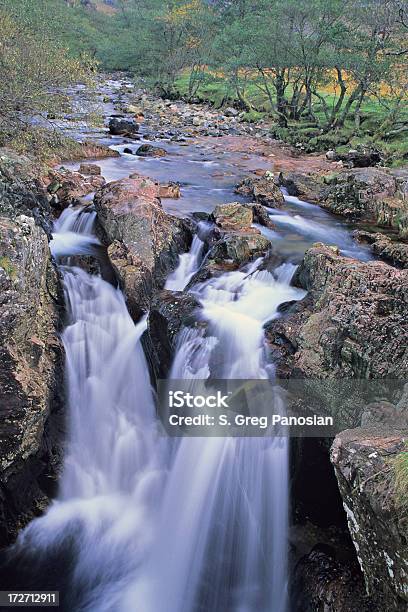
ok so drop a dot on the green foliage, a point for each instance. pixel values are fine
(401, 481)
(8, 267)
(330, 72)
(252, 116)
(34, 70)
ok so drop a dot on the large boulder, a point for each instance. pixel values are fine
(170, 312)
(359, 158)
(351, 324)
(20, 191)
(370, 194)
(263, 189)
(31, 373)
(371, 466)
(123, 127)
(307, 187)
(90, 169)
(143, 240)
(384, 247)
(233, 216)
(234, 250)
(66, 187)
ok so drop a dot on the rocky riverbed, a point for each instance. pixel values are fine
(205, 172)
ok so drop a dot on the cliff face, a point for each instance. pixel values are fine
(31, 383)
(365, 461)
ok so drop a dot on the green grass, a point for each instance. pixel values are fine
(216, 90)
(8, 267)
(401, 480)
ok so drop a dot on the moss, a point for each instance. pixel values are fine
(8, 267)
(401, 480)
(252, 116)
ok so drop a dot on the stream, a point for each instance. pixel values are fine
(147, 523)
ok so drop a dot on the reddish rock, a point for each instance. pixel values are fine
(233, 216)
(351, 324)
(170, 190)
(143, 240)
(90, 169)
(67, 187)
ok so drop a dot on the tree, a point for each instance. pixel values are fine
(34, 70)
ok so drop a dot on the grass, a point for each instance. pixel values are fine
(216, 90)
(401, 480)
(8, 267)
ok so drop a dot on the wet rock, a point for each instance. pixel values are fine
(143, 240)
(147, 150)
(233, 216)
(170, 190)
(370, 194)
(369, 464)
(263, 189)
(307, 187)
(323, 584)
(20, 191)
(237, 249)
(123, 127)
(384, 247)
(92, 150)
(90, 169)
(31, 374)
(170, 312)
(67, 187)
(260, 215)
(231, 112)
(352, 323)
(128, 150)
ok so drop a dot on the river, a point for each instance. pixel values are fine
(143, 522)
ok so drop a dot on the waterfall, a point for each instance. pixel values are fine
(189, 262)
(147, 522)
(73, 233)
(115, 457)
(221, 539)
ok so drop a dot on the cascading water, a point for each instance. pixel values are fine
(189, 262)
(143, 523)
(113, 474)
(221, 540)
(73, 233)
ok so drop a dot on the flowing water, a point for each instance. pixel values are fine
(148, 523)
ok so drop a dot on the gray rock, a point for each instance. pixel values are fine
(123, 127)
(147, 150)
(366, 462)
(31, 374)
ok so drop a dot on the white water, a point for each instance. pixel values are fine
(188, 266)
(157, 525)
(114, 466)
(221, 541)
(189, 262)
(73, 233)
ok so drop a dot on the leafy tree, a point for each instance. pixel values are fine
(34, 70)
